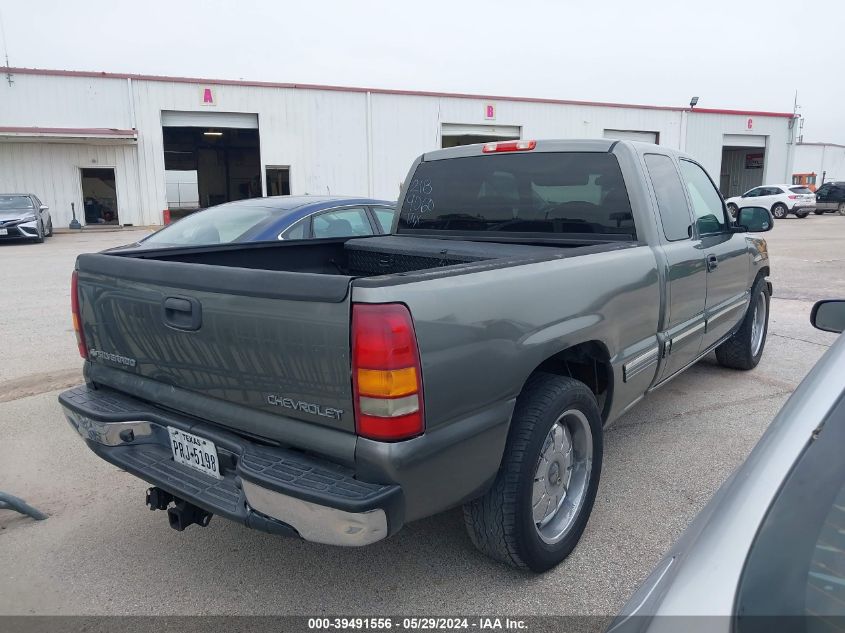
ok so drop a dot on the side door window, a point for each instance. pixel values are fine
(299, 231)
(753, 193)
(707, 206)
(671, 201)
(384, 216)
(342, 223)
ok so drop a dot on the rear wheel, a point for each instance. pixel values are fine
(802, 214)
(819, 212)
(744, 349)
(538, 506)
(841, 209)
(779, 211)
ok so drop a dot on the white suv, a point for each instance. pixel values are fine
(780, 199)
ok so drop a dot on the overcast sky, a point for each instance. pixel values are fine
(732, 54)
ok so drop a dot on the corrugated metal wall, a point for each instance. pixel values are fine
(51, 171)
(827, 159)
(322, 135)
(705, 134)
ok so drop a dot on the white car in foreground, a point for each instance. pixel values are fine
(780, 199)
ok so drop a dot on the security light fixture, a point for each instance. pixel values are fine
(693, 102)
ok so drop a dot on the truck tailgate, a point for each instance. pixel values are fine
(271, 341)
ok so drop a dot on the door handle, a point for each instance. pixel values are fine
(712, 263)
(182, 313)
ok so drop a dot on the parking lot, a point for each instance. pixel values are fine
(103, 552)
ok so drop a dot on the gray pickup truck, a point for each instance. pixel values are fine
(529, 294)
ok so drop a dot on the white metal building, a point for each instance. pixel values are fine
(122, 148)
(822, 161)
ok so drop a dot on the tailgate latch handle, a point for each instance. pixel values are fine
(182, 313)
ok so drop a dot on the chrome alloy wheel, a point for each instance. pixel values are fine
(562, 476)
(758, 323)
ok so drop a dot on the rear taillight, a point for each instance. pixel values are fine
(77, 317)
(793, 197)
(386, 374)
(508, 146)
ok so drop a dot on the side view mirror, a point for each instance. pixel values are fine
(755, 219)
(43, 207)
(829, 315)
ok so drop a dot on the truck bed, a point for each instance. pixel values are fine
(272, 321)
(368, 257)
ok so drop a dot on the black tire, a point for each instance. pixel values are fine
(501, 522)
(50, 228)
(819, 212)
(802, 214)
(733, 210)
(779, 211)
(841, 208)
(737, 352)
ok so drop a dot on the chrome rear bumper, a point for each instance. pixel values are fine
(273, 489)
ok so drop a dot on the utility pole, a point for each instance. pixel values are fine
(6, 52)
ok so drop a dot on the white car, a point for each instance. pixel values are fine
(780, 199)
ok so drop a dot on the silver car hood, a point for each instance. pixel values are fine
(15, 214)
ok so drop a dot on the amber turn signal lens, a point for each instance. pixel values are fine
(387, 383)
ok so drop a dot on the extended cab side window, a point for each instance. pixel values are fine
(671, 201)
(707, 206)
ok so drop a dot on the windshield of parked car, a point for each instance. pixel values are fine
(547, 193)
(218, 225)
(15, 202)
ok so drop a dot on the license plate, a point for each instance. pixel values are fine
(4, 231)
(194, 451)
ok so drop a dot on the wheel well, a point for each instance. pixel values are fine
(588, 362)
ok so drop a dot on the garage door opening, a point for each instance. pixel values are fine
(209, 159)
(99, 196)
(743, 164)
(633, 135)
(455, 135)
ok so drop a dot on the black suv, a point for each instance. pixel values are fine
(830, 197)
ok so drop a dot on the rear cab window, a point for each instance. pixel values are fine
(542, 194)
